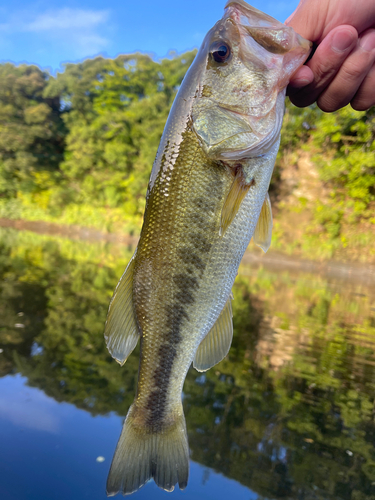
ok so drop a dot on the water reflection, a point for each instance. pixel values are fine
(53, 450)
(289, 413)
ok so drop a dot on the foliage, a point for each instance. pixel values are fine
(113, 113)
(111, 146)
(347, 139)
(331, 215)
(31, 134)
(297, 126)
(78, 149)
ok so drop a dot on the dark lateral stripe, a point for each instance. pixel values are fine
(187, 285)
(189, 257)
(192, 257)
(175, 314)
(200, 243)
(157, 399)
(156, 402)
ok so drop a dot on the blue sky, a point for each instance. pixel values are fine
(49, 33)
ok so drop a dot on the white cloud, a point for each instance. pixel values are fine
(67, 19)
(26, 406)
(80, 31)
(28, 415)
(90, 43)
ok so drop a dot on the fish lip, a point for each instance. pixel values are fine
(245, 8)
(238, 11)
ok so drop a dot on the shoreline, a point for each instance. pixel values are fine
(274, 260)
(72, 232)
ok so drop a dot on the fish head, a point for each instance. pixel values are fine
(246, 61)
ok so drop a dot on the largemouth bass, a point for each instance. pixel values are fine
(206, 198)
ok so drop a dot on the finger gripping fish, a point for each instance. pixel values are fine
(207, 197)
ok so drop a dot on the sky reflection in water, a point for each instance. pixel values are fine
(289, 414)
(54, 450)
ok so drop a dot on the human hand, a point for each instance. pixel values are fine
(342, 69)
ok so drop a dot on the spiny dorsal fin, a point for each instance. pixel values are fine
(263, 231)
(121, 331)
(233, 201)
(216, 344)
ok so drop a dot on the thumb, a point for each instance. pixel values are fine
(309, 18)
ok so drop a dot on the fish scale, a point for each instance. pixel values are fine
(207, 197)
(180, 247)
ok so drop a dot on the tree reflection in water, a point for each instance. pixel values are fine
(289, 413)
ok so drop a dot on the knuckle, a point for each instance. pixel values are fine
(354, 71)
(334, 98)
(357, 68)
(324, 71)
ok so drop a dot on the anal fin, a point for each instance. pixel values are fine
(263, 231)
(216, 344)
(121, 330)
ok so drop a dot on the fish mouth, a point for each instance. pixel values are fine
(269, 41)
(280, 38)
(251, 12)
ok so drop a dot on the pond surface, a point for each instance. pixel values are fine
(289, 414)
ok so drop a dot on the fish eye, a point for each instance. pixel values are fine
(220, 52)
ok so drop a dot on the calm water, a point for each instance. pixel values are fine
(288, 415)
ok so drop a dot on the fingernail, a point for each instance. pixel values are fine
(342, 40)
(368, 41)
(299, 82)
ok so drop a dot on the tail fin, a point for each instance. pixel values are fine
(141, 455)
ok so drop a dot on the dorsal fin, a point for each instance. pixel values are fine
(121, 330)
(216, 344)
(263, 231)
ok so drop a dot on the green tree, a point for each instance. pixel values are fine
(347, 140)
(115, 113)
(32, 133)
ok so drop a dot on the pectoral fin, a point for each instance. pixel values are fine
(216, 344)
(233, 201)
(263, 231)
(121, 331)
